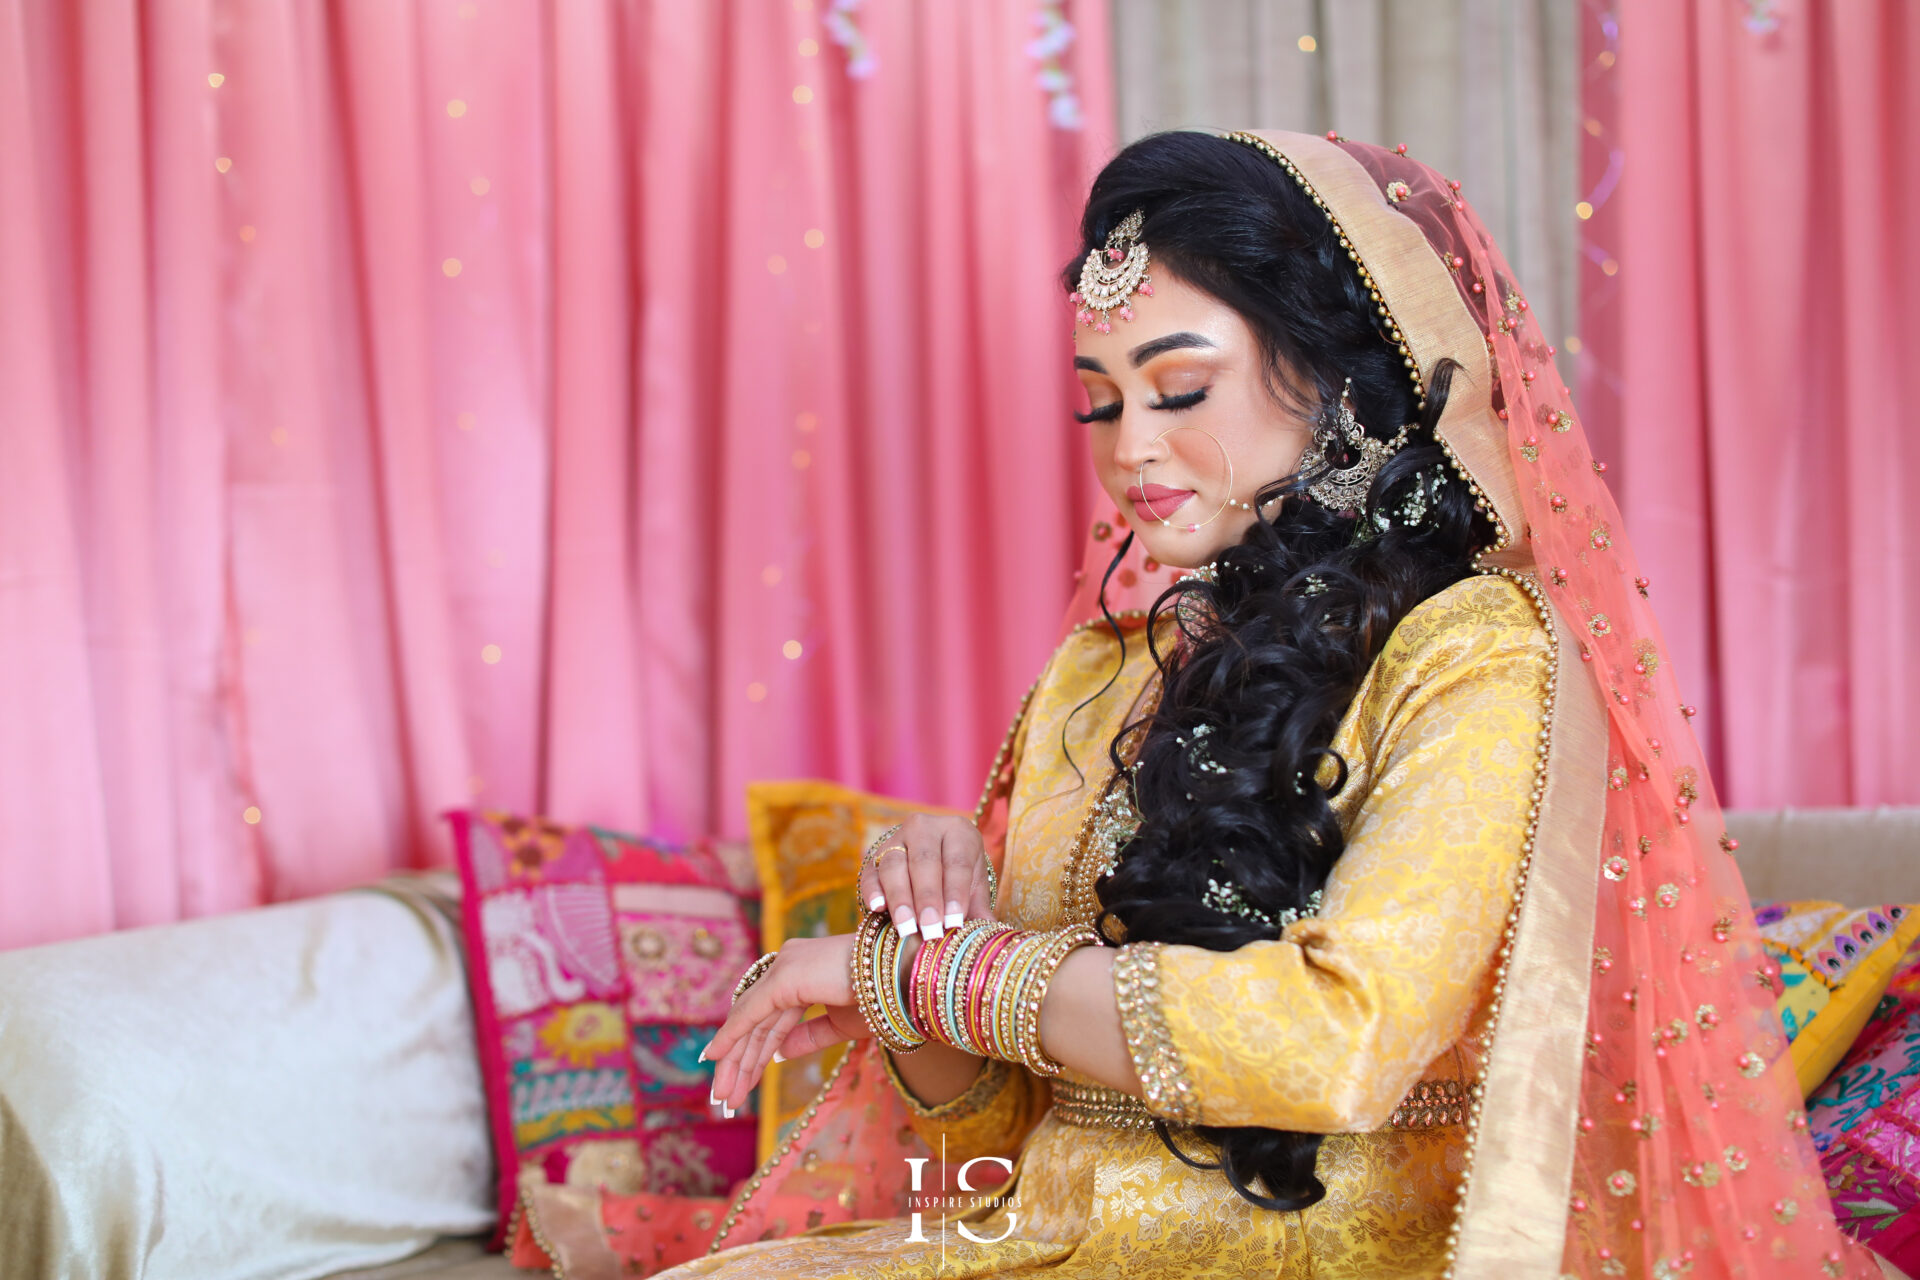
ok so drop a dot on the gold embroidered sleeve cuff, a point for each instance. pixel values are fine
(991, 1118)
(1156, 1059)
(993, 1077)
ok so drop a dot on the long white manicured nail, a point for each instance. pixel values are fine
(728, 1111)
(930, 926)
(876, 902)
(955, 916)
(904, 922)
(779, 1056)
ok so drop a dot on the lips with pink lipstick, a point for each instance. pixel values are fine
(1157, 501)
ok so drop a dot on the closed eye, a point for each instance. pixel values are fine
(1171, 404)
(1100, 412)
(1185, 400)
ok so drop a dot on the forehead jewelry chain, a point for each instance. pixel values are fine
(1110, 276)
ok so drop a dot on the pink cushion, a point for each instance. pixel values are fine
(600, 966)
(1865, 1121)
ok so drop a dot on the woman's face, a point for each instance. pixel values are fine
(1169, 393)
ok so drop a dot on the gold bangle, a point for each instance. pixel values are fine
(877, 949)
(874, 850)
(1006, 1005)
(1030, 982)
(901, 1036)
(872, 855)
(754, 973)
(1034, 993)
(993, 999)
(896, 1032)
(861, 965)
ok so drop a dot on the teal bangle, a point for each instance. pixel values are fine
(872, 957)
(965, 950)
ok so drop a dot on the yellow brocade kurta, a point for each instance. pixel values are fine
(1325, 1030)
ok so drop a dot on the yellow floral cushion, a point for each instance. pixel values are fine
(807, 841)
(1834, 962)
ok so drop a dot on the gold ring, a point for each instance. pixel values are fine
(871, 857)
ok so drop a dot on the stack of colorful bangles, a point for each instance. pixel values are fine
(977, 987)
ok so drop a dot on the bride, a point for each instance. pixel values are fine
(1361, 908)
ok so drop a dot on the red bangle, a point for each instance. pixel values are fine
(951, 958)
(977, 1019)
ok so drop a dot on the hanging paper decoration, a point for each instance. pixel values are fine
(840, 28)
(1761, 18)
(1056, 34)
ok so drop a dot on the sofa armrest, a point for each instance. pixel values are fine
(1854, 856)
(285, 1092)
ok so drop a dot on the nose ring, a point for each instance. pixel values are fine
(1225, 502)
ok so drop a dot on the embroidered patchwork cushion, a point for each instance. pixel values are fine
(1865, 1122)
(684, 941)
(600, 964)
(1834, 963)
(808, 839)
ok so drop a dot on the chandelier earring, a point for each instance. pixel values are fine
(1345, 488)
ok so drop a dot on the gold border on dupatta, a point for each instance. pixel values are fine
(1511, 1218)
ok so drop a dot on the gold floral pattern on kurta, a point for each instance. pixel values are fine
(1323, 1030)
(1335, 1020)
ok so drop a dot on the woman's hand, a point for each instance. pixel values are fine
(929, 875)
(767, 1019)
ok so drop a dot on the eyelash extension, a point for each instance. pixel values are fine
(1172, 404)
(1176, 403)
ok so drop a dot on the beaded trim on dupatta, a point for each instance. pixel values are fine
(1535, 1035)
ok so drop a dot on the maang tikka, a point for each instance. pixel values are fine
(1111, 275)
(1346, 488)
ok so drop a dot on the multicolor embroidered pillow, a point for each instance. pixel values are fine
(595, 959)
(1865, 1121)
(1834, 963)
(684, 942)
(808, 838)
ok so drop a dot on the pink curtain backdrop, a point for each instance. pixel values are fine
(1751, 306)
(583, 407)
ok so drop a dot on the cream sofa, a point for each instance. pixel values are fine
(292, 1092)
(287, 1092)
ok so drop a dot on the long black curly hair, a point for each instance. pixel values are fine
(1271, 654)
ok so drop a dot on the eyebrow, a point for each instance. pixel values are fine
(1149, 350)
(1160, 346)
